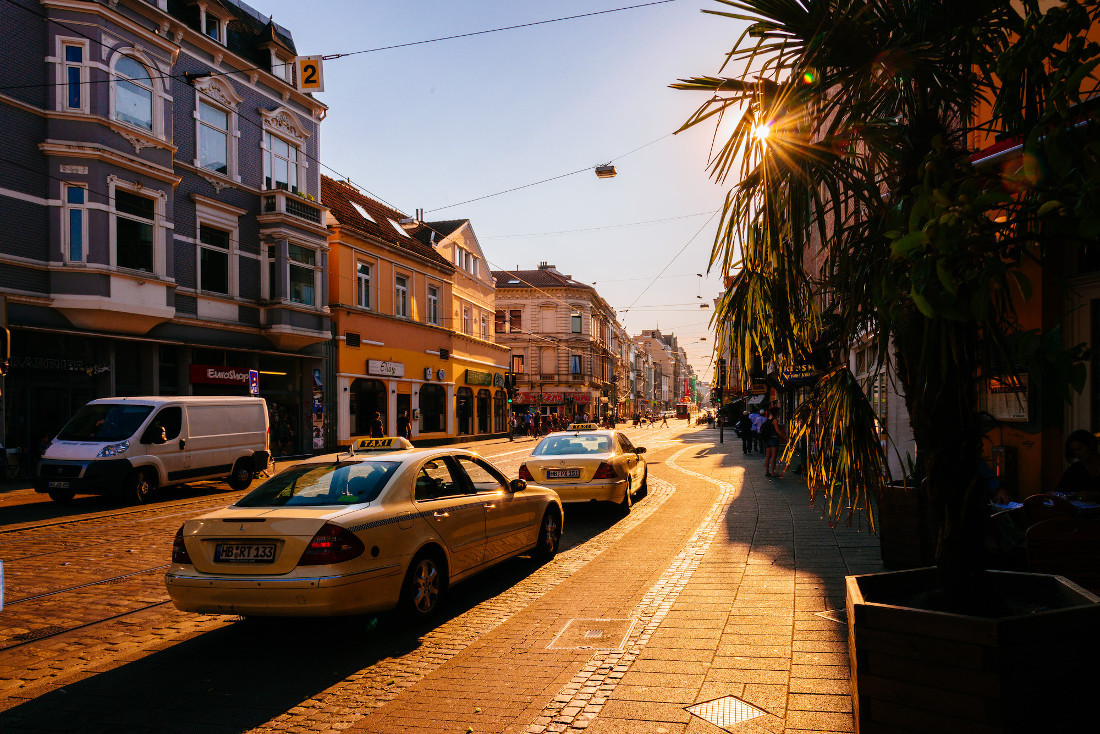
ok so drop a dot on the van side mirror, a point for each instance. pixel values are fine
(517, 485)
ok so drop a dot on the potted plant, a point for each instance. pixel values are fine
(861, 217)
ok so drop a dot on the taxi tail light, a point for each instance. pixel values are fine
(525, 473)
(331, 544)
(604, 471)
(179, 549)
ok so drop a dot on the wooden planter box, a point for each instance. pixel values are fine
(915, 670)
(904, 540)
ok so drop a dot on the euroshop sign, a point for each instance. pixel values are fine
(202, 374)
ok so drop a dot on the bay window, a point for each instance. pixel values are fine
(303, 274)
(280, 164)
(74, 219)
(135, 219)
(214, 253)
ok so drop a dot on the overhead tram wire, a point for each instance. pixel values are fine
(331, 57)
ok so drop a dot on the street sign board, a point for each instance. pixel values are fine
(310, 77)
(253, 382)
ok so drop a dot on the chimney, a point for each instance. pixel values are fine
(544, 266)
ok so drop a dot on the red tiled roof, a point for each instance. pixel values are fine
(339, 197)
(535, 279)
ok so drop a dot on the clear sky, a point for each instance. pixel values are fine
(437, 124)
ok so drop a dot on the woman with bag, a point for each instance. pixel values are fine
(771, 433)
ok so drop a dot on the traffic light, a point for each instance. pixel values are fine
(510, 385)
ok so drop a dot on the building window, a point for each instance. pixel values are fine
(213, 260)
(574, 364)
(485, 326)
(213, 138)
(74, 75)
(433, 305)
(401, 296)
(280, 164)
(282, 68)
(465, 319)
(515, 320)
(75, 200)
(362, 284)
(214, 28)
(133, 93)
(135, 219)
(517, 364)
(576, 321)
(303, 275)
(433, 408)
(500, 321)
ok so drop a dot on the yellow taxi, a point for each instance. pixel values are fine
(382, 526)
(585, 463)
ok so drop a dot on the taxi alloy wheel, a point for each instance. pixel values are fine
(628, 499)
(424, 586)
(549, 536)
(643, 488)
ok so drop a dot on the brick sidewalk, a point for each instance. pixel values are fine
(733, 587)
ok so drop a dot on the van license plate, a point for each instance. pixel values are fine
(57, 485)
(563, 473)
(244, 552)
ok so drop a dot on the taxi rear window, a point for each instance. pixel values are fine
(572, 445)
(315, 485)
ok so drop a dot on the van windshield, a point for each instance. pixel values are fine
(105, 422)
(311, 485)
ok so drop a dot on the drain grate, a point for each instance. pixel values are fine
(725, 711)
(592, 634)
(39, 633)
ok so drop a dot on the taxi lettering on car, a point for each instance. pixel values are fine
(586, 463)
(382, 526)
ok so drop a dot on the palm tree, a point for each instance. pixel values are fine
(858, 218)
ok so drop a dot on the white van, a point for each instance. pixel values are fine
(131, 446)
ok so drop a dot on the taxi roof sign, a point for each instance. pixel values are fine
(583, 427)
(393, 443)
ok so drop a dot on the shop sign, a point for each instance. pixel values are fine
(60, 365)
(203, 374)
(498, 379)
(797, 373)
(385, 369)
(1007, 398)
(581, 397)
(476, 377)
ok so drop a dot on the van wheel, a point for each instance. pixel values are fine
(241, 476)
(141, 485)
(425, 586)
(61, 497)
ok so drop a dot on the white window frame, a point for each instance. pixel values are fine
(62, 66)
(315, 267)
(283, 124)
(282, 68)
(230, 261)
(466, 320)
(359, 281)
(207, 16)
(401, 295)
(67, 209)
(157, 99)
(485, 326)
(435, 293)
(160, 200)
(219, 94)
(218, 215)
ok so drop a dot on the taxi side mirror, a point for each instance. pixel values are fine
(517, 485)
(640, 450)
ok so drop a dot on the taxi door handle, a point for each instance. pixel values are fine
(440, 513)
(489, 506)
(183, 442)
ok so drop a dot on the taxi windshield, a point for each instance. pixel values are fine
(314, 485)
(105, 422)
(572, 445)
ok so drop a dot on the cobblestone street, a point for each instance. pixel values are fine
(720, 583)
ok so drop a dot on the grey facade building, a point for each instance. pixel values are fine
(159, 183)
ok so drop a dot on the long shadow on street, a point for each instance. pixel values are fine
(243, 675)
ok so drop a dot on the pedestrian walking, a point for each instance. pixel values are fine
(512, 427)
(744, 427)
(771, 434)
(757, 419)
(376, 429)
(404, 427)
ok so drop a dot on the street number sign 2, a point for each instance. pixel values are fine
(311, 77)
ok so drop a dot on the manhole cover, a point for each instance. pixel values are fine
(839, 616)
(592, 634)
(725, 711)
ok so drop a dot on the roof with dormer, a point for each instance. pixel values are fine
(382, 224)
(541, 278)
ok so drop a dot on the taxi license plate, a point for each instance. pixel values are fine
(244, 552)
(57, 485)
(563, 473)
